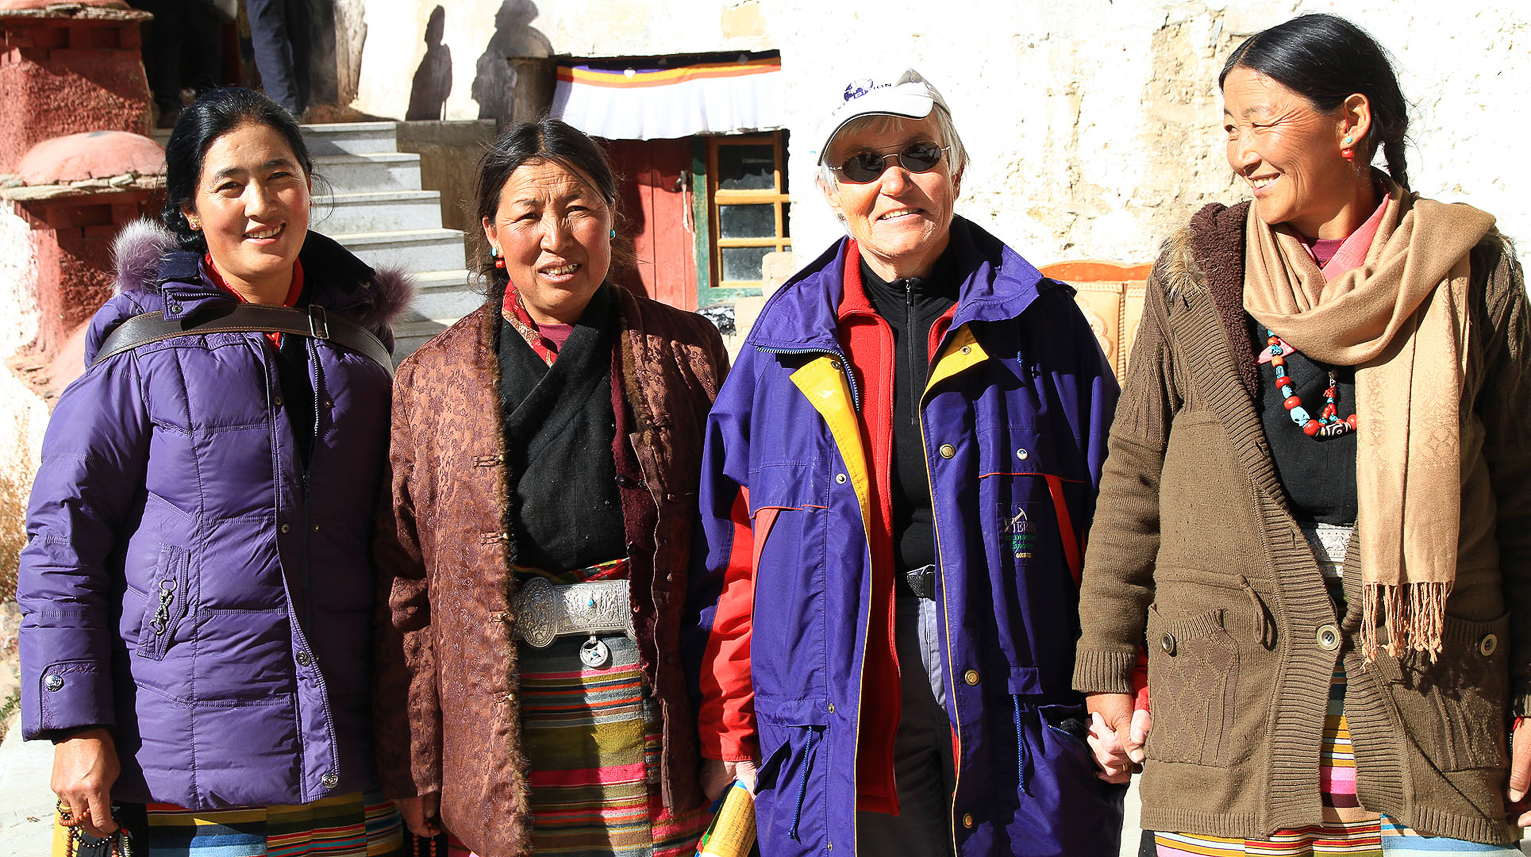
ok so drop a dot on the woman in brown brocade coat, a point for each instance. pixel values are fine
(534, 547)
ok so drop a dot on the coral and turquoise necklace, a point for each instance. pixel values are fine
(1328, 423)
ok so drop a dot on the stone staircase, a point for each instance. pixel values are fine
(374, 206)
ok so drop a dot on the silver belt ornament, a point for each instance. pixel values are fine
(546, 611)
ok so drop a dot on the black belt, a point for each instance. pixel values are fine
(922, 581)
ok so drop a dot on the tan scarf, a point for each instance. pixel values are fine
(1401, 318)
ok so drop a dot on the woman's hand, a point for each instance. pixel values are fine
(421, 814)
(718, 776)
(1117, 735)
(84, 768)
(1520, 772)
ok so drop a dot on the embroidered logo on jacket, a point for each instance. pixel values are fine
(1022, 533)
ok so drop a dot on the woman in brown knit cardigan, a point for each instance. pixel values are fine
(1317, 507)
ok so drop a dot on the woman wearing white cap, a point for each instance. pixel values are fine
(897, 481)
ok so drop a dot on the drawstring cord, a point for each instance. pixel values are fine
(802, 786)
(1020, 742)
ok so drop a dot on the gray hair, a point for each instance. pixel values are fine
(882, 122)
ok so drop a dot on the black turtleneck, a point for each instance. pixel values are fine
(911, 306)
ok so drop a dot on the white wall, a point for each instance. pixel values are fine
(1093, 126)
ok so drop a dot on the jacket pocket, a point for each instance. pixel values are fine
(791, 778)
(1456, 708)
(1193, 672)
(166, 603)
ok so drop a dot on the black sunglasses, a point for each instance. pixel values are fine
(863, 167)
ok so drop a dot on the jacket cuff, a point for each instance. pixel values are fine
(66, 695)
(1520, 697)
(1104, 672)
(723, 747)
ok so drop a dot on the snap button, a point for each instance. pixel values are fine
(839, 478)
(304, 658)
(1328, 638)
(1167, 643)
(967, 820)
(329, 403)
(286, 528)
(947, 450)
(277, 401)
(329, 780)
(834, 364)
(971, 676)
(831, 708)
(1022, 454)
(1488, 645)
(967, 349)
(175, 307)
(54, 682)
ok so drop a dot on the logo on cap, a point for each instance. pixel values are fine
(858, 88)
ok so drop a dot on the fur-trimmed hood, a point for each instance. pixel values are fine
(370, 297)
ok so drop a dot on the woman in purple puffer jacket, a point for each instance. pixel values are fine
(196, 590)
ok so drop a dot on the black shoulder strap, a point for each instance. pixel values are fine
(248, 318)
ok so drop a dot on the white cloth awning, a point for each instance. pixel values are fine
(670, 97)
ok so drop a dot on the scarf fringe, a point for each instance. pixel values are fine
(1415, 614)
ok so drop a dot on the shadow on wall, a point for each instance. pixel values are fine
(494, 86)
(433, 79)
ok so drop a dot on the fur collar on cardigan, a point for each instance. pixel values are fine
(1209, 254)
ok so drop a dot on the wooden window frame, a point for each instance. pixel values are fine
(707, 197)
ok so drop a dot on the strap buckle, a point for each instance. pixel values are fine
(922, 581)
(318, 322)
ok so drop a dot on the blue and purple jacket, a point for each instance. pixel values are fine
(799, 669)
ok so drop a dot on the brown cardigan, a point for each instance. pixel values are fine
(447, 715)
(1194, 547)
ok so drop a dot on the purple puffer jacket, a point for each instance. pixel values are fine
(185, 582)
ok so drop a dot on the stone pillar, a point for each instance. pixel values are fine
(66, 68)
(75, 193)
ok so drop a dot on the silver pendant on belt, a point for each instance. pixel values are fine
(594, 653)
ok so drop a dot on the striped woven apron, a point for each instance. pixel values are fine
(592, 738)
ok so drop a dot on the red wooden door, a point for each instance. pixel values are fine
(654, 178)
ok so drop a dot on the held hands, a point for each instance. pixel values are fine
(1520, 773)
(718, 776)
(84, 768)
(1117, 735)
(421, 814)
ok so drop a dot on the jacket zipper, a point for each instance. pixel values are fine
(911, 346)
(836, 353)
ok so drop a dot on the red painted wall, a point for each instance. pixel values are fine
(63, 76)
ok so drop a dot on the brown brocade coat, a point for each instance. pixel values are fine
(447, 712)
(1194, 548)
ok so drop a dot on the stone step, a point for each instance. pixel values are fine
(354, 138)
(337, 138)
(374, 173)
(412, 250)
(340, 213)
(445, 296)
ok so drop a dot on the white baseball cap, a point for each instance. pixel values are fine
(908, 94)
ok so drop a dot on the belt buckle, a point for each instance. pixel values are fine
(922, 581)
(537, 613)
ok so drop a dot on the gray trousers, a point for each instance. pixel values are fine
(922, 749)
